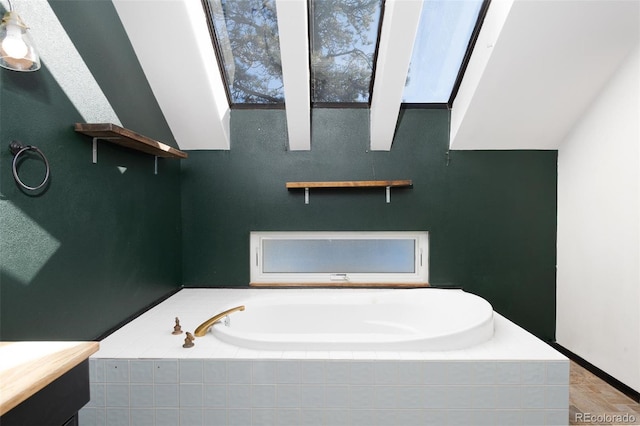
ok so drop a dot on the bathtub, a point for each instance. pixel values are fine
(142, 374)
(395, 320)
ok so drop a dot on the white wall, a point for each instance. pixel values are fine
(598, 280)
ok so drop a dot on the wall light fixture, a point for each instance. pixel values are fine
(17, 51)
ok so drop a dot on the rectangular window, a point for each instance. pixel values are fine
(343, 258)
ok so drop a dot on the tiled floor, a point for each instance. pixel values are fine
(592, 401)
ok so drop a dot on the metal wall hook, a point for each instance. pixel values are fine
(17, 149)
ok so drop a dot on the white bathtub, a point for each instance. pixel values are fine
(143, 375)
(395, 320)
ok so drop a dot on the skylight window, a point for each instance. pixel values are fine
(246, 34)
(343, 41)
(443, 36)
(342, 50)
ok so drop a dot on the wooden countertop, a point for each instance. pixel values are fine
(27, 367)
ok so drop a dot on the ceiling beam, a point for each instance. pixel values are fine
(399, 28)
(294, 53)
(181, 68)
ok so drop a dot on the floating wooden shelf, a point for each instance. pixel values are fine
(350, 184)
(387, 184)
(127, 138)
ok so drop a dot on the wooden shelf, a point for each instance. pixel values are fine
(351, 184)
(127, 138)
(387, 184)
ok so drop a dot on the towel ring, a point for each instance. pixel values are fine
(17, 149)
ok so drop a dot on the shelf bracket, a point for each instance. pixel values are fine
(94, 153)
(387, 191)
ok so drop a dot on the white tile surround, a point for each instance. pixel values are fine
(142, 376)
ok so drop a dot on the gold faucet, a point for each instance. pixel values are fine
(205, 326)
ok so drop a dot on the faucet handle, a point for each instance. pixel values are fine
(188, 341)
(177, 329)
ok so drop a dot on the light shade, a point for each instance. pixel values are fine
(17, 51)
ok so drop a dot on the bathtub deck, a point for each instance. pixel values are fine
(149, 336)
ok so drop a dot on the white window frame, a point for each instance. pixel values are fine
(420, 275)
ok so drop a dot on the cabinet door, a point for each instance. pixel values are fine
(73, 421)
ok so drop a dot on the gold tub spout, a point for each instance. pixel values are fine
(205, 326)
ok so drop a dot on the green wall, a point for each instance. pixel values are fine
(98, 245)
(491, 214)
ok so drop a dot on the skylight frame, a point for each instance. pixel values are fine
(374, 60)
(470, 47)
(208, 13)
(482, 12)
(219, 49)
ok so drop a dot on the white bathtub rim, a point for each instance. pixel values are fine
(471, 334)
(353, 342)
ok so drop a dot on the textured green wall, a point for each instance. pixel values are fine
(491, 215)
(98, 245)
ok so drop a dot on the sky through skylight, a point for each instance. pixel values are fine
(445, 29)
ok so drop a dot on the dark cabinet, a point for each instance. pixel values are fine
(57, 404)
